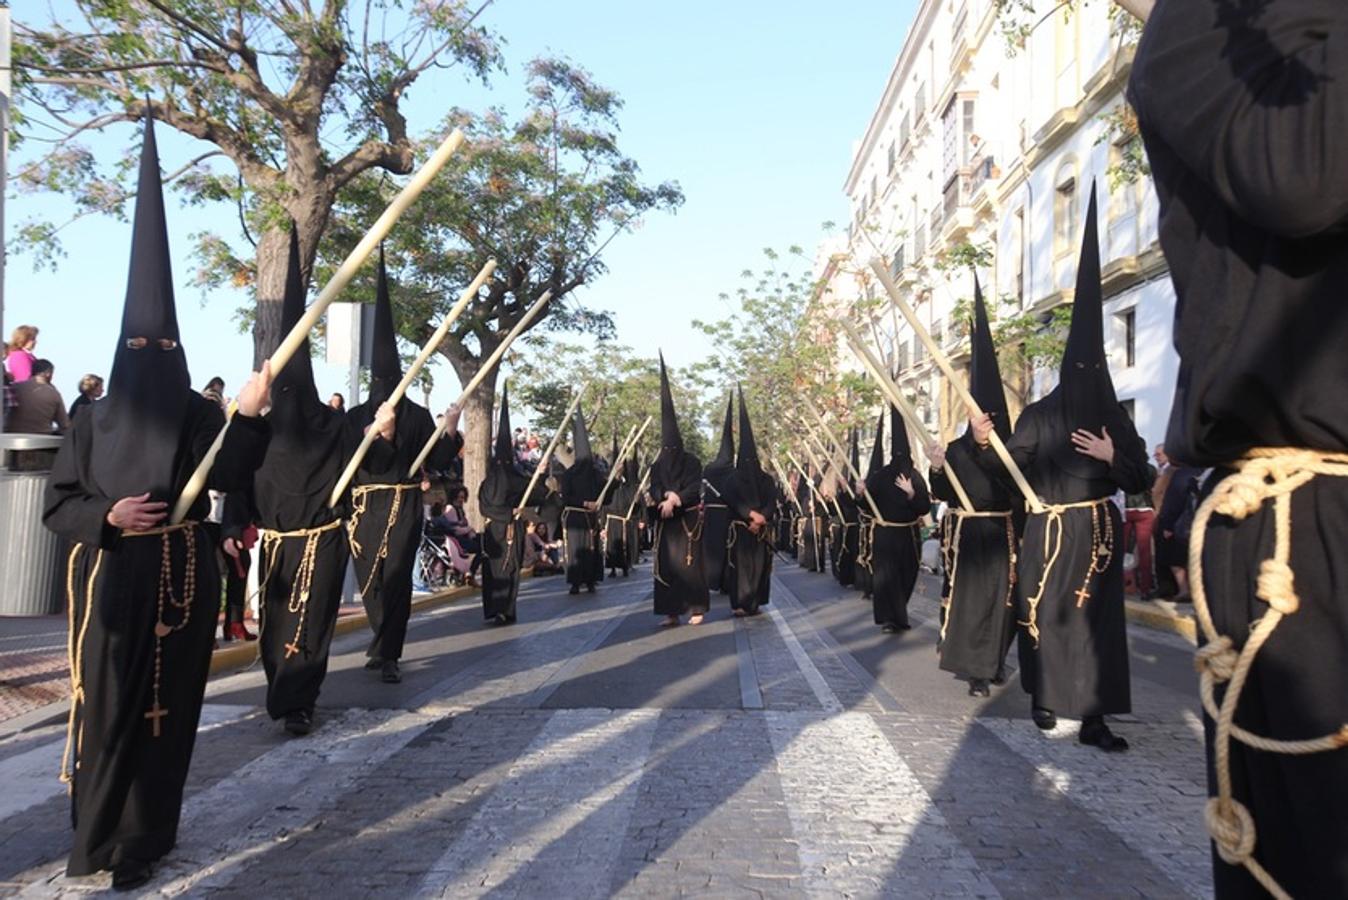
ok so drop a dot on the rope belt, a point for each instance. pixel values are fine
(693, 534)
(164, 596)
(950, 555)
(1273, 473)
(608, 517)
(509, 545)
(866, 542)
(881, 523)
(298, 603)
(359, 495)
(1102, 551)
(589, 532)
(714, 506)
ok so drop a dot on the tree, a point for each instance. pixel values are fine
(781, 345)
(624, 390)
(269, 85)
(543, 194)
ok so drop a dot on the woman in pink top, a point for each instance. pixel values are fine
(19, 360)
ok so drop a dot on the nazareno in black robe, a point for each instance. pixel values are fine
(499, 495)
(303, 549)
(895, 551)
(679, 570)
(813, 527)
(978, 597)
(846, 554)
(716, 477)
(581, 483)
(1243, 112)
(749, 566)
(141, 655)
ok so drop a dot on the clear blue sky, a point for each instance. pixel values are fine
(753, 107)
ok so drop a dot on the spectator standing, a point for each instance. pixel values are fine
(38, 407)
(337, 402)
(19, 356)
(91, 388)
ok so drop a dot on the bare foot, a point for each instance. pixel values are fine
(695, 619)
(669, 622)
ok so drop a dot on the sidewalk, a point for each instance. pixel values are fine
(33, 671)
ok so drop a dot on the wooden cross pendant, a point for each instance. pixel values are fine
(291, 649)
(1082, 596)
(154, 714)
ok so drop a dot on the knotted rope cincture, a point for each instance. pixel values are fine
(359, 495)
(1102, 552)
(1268, 473)
(950, 556)
(298, 602)
(693, 534)
(75, 658)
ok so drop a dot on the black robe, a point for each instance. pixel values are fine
(680, 572)
(846, 541)
(388, 516)
(813, 531)
(1243, 114)
(1077, 664)
(130, 767)
(895, 543)
(617, 547)
(581, 484)
(716, 522)
(863, 578)
(749, 566)
(978, 605)
(501, 493)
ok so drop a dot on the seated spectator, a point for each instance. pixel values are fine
(19, 358)
(469, 541)
(38, 407)
(337, 402)
(437, 524)
(91, 388)
(544, 556)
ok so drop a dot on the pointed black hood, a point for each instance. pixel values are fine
(877, 460)
(503, 452)
(386, 368)
(985, 377)
(725, 455)
(293, 391)
(900, 453)
(138, 428)
(580, 438)
(856, 451)
(1085, 395)
(613, 457)
(753, 486)
(670, 439)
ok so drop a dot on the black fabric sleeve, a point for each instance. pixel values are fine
(1130, 469)
(69, 508)
(1253, 98)
(242, 452)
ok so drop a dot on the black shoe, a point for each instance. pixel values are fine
(589, 588)
(1000, 677)
(389, 674)
(978, 687)
(299, 722)
(500, 619)
(1044, 718)
(575, 589)
(130, 874)
(1097, 734)
(889, 628)
(374, 662)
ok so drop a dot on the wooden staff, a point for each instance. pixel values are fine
(812, 440)
(632, 438)
(944, 363)
(818, 464)
(870, 501)
(786, 483)
(546, 458)
(340, 279)
(895, 396)
(371, 434)
(482, 372)
(808, 480)
(645, 480)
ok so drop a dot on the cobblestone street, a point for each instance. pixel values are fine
(584, 752)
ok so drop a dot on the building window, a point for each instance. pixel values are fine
(968, 136)
(1128, 332)
(904, 131)
(875, 188)
(1019, 263)
(920, 105)
(890, 155)
(1065, 210)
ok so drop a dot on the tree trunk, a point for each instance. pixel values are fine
(272, 257)
(476, 425)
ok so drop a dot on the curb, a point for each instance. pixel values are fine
(241, 656)
(1153, 614)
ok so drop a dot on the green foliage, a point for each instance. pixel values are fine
(1025, 341)
(542, 194)
(781, 345)
(257, 82)
(1121, 130)
(623, 390)
(964, 255)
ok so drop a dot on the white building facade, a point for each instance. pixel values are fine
(980, 153)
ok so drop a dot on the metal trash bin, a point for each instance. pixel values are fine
(32, 559)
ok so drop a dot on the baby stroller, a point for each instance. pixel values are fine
(441, 562)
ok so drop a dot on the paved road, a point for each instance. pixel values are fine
(583, 752)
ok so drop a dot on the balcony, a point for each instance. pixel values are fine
(957, 216)
(919, 242)
(981, 172)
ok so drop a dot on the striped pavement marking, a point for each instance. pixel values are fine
(557, 821)
(864, 823)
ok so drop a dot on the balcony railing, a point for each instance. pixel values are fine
(919, 242)
(956, 194)
(897, 265)
(984, 169)
(937, 217)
